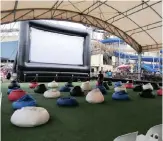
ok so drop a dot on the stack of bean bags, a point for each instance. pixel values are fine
(33, 85)
(109, 82)
(129, 85)
(86, 87)
(13, 84)
(101, 88)
(30, 117)
(120, 92)
(147, 91)
(76, 91)
(159, 92)
(16, 94)
(66, 88)
(41, 88)
(95, 96)
(69, 84)
(24, 101)
(67, 101)
(53, 84)
(52, 93)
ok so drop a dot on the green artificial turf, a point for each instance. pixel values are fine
(87, 122)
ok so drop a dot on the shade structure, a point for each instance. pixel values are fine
(124, 19)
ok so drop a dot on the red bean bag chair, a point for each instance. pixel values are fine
(129, 86)
(32, 85)
(16, 94)
(159, 92)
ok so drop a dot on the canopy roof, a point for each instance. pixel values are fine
(138, 23)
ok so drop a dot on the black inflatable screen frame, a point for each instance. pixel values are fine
(24, 66)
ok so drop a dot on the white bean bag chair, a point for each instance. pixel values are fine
(148, 87)
(127, 137)
(30, 117)
(153, 134)
(53, 84)
(95, 96)
(52, 93)
(85, 86)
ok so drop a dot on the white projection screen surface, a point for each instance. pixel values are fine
(56, 48)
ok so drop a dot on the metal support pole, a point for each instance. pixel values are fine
(119, 52)
(139, 66)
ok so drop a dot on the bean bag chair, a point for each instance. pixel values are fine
(67, 101)
(110, 83)
(129, 86)
(147, 94)
(121, 95)
(33, 85)
(76, 91)
(13, 84)
(30, 117)
(159, 92)
(16, 94)
(106, 85)
(85, 86)
(127, 137)
(10, 90)
(52, 93)
(153, 134)
(120, 88)
(138, 88)
(24, 101)
(53, 84)
(69, 84)
(118, 84)
(155, 86)
(147, 86)
(102, 89)
(95, 96)
(40, 89)
(65, 89)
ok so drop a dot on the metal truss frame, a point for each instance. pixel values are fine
(84, 17)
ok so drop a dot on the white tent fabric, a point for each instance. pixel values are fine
(139, 23)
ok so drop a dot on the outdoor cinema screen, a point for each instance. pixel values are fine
(55, 48)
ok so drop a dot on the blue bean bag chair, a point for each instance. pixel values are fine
(65, 89)
(67, 101)
(10, 90)
(24, 101)
(102, 89)
(122, 95)
(118, 84)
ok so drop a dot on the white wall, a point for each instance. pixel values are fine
(97, 60)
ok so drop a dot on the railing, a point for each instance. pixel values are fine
(133, 76)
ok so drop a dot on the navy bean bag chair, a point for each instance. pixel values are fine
(102, 89)
(24, 101)
(76, 91)
(138, 88)
(65, 89)
(69, 84)
(110, 83)
(122, 95)
(13, 84)
(10, 90)
(147, 94)
(67, 101)
(106, 85)
(40, 89)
